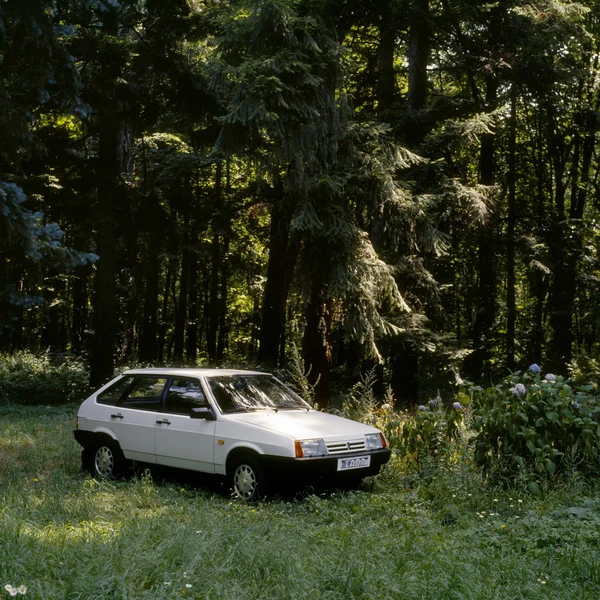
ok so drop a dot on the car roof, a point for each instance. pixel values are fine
(191, 372)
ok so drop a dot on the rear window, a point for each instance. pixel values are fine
(146, 393)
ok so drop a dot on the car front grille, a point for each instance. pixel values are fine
(343, 447)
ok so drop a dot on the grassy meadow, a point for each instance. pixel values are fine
(66, 536)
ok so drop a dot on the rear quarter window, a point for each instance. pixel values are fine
(113, 394)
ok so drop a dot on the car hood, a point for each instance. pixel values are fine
(302, 424)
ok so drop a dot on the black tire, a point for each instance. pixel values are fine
(248, 481)
(87, 460)
(107, 460)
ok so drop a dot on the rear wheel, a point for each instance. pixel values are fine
(107, 460)
(248, 480)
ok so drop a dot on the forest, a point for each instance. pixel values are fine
(409, 186)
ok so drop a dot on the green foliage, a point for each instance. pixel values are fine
(26, 378)
(360, 403)
(298, 377)
(433, 434)
(531, 429)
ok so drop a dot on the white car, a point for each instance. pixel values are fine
(245, 425)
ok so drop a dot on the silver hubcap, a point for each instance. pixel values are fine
(104, 461)
(244, 482)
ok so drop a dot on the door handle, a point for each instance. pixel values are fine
(163, 422)
(117, 416)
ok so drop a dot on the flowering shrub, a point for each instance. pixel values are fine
(532, 428)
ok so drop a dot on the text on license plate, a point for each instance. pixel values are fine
(358, 462)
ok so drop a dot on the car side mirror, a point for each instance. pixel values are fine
(202, 412)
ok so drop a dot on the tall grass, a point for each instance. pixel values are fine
(66, 536)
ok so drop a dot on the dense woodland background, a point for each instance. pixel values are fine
(405, 183)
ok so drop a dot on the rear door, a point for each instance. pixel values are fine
(181, 441)
(133, 416)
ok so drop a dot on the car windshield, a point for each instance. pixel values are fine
(242, 393)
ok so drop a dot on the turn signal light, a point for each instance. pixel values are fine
(299, 451)
(383, 440)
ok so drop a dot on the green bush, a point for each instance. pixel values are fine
(531, 428)
(26, 378)
(429, 433)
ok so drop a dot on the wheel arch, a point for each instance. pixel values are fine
(106, 434)
(89, 439)
(239, 453)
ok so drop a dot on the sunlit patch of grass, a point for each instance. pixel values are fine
(57, 534)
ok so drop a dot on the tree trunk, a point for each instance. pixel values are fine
(164, 313)
(213, 309)
(316, 343)
(511, 309)
(387, 76)
(104, 321)
(181, 313)
(79, 323)
(478, 362)
(148, 349)
(191, 340)
(53, 335)
(568, 248)
(404, 379)
(275, 295)
(418, 55)
(223, 332)
(538, 279)
(131, 270)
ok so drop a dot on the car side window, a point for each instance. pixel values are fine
(113, 394)
(146, 394)
(183, 395)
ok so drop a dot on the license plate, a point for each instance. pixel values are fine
(359, 462)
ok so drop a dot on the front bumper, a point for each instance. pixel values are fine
(315, 467)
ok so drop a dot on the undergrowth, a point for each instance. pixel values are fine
(27, 378)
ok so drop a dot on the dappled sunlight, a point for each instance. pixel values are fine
(59, 534)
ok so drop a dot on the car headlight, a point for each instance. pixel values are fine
(374, 441)
(310, 448)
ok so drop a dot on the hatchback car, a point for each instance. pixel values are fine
(244, 425)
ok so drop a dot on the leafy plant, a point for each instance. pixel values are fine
(360, 403)
(298, 378)
(427, 434)
(531, 428)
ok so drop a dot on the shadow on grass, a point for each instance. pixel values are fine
(286, 491)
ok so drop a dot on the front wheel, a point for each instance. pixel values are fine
(248, 480)
(108, 460)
